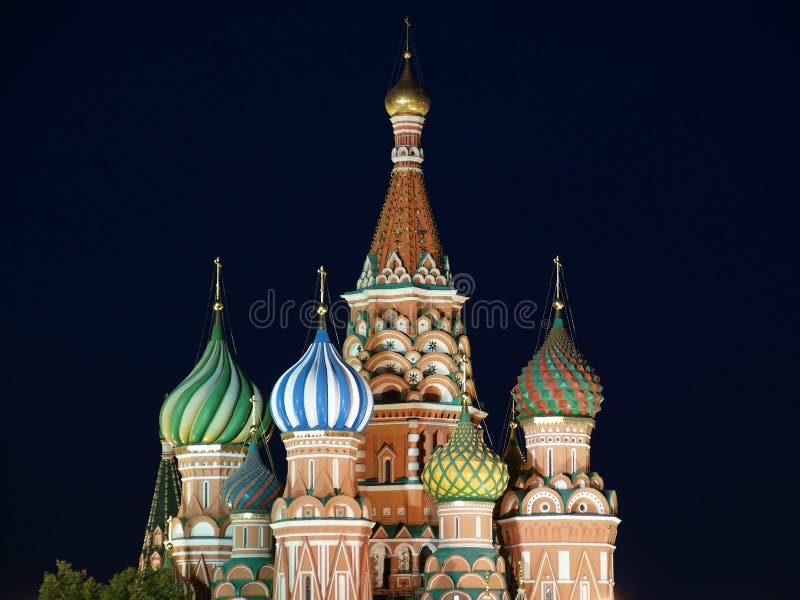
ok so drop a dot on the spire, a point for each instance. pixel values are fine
(217, 296)
(513, 456)
(166, 502)
(322, 309)
(466, 401)
(558, 304)
(405, 247)
(216, 327)
(407, 53)
(253, 425)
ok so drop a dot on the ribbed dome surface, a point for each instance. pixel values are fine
(252, 487)
(212, 405)
(464, 468)
(558, 380)
(321, 392)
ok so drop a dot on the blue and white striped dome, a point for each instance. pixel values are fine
(321, 391)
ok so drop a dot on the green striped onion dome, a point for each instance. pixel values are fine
(464, 468)
(212, 405)
(557, 380)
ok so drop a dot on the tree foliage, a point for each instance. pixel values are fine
(129, 584)
(67, 584)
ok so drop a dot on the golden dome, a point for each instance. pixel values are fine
(406, 97)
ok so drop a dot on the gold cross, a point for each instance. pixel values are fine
(407, 53)
(217, 301)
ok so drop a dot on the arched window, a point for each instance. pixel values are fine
(390, 396)
(549, 462)
(457, 528)
(308, 587)
(244, 537)
(206, 494)
(336, 473)
(311, 474)
(387, 470)
(574, 460)
(431, 396)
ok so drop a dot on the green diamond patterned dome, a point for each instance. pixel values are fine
(465, 468)
(558, 380)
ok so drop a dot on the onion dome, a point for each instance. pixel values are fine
(407, 97)
(213, 405)
(321, 392)
(558, 380)
(252, 487)
(465, 468)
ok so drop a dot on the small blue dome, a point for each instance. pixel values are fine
(321, 391)
(252, 487)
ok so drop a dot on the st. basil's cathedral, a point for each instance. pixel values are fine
(390, 490)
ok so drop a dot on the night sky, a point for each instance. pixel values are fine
(654, 146)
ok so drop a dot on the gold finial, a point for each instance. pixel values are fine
(407, 53)
(462, 365)
(253, 428)
(558, 304)
(322, 309)
(512, 424)
(217, 298)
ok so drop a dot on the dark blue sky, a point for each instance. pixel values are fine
(654, 146)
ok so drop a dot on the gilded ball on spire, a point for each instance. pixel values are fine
(407, 97)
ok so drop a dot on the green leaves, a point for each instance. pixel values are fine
(66, 584)
(130, 584)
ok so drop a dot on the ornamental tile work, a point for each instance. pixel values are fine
(464, 468)
(558, 380)
(390, 489)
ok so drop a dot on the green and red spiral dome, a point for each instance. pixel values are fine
(558, 380)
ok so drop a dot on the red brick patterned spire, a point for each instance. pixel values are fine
(406, 247)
